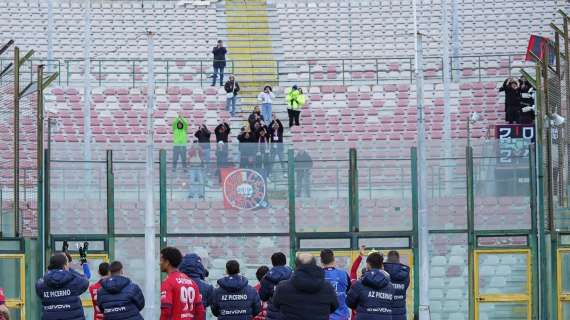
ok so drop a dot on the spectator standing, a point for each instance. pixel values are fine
(60, 289)
(222, 132)
(235, 298)
(4, 312)
(259, 274)
(192, 267)
(277, 149)
(254, 118)
(512, 100)
(203, 135)
(104, 273)
(527, 102)
(197, 181)
(307, 295)
(266, 99)
(295, 101)
(232, 89)
(373, 295)
(339, 280)
(180, 141)
(180, 297)
(219, 53)
(280, 272)
(303, 166)
(119, 298)
(263, 155)
(400, 278)
(246, 148)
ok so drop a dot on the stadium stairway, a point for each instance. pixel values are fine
(250, 47)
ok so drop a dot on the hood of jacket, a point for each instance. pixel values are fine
(232, 283)
(58, 278)
(375, 279)
(278, 274)
(398, 272)
(192, 266)
(308, 278)
(115, 284)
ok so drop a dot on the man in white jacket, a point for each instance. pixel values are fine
(266, 98)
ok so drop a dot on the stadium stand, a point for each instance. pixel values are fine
(354, 95)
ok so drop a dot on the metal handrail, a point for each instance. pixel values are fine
(376, 70)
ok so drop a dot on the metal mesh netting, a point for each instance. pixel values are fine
(25, 223)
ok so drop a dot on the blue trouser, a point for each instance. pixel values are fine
(266, 112)
(231, 105)
(178, 152)
(220, 71)
(196, 182)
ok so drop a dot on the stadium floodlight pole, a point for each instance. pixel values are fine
(423, 237)
(50, 37)
(149, 228)
(456, 44)
(446, 64)
(87, 91)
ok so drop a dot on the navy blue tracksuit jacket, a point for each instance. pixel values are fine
(372, 296)
(234, 299)
(268, 283)
(120, 299)
(400, 278)
(59, 292)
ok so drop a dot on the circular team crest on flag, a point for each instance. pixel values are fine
(244, 189)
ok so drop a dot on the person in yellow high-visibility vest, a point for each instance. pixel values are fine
(295, 101)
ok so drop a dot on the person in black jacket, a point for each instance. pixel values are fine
(400, 278)
(119, 298)
(222, 132)
(192, 267)
(234, 299)
(303, 166)
(512, 100)
(232, 90)
(203, 135)
(372, 296)
(307, 295)
(247, 148)
(60, 289)
(219, 53)
(279, 272)
(277, 148)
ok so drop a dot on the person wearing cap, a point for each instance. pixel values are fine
(4, 312)
(295, 101)
(192, 267)
(60, 289)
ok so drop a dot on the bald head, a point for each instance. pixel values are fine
(305, 258)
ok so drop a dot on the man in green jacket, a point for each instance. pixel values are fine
(295, 101)
(180, 140)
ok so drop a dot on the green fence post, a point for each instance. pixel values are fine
(353, 192)
(32, 273)
(163, 204)
(110, 205)
(540, 197)
(291, 188)
(471, 241)
(533, 239)
(415, 231)
(47, 207)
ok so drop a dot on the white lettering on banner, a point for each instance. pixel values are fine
(379, 310)
(400, 286)
(380, 295)
(118, 309)
(56, 294)
(234, 297)
(232, 312)
(58, 307)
